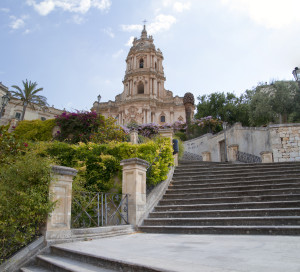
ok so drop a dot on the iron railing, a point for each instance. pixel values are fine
(91, 209)
(248, 158)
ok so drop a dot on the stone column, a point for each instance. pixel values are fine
(134, 184)
(232, 152)
(166, 132)
(176, 159)
(134, 136)
(266, 156)
(189, 102)
(60, 191)
(206, 155)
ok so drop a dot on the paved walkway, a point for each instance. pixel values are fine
(203, 253)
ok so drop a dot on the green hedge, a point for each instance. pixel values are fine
(24, 190)
(35, 130)
(99, 164)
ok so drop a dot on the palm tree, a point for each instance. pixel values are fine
(29, 96)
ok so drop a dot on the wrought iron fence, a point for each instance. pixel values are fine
(248, 158)
(98, 209)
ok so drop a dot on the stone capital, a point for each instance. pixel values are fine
(136, 161)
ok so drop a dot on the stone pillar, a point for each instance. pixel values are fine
(134, 136)
(266, 156)
(176, 159)
(134, 184)
(166, 132)
(206, 155)
(60, 191)
(232, 152)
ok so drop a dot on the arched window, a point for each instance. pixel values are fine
(155, 65)
(162, 119)
(141, 63)
(141, 88)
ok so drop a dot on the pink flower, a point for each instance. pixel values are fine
(25, 144)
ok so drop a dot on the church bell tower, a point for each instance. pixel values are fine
(144, 74)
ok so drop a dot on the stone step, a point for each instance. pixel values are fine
(218, 171)
(58, 263)
(100, 261)
(241, 175)
(189, 195)
(187, 163)
(229, 199)
(227, 213)
(229, 206)
(229, 183)
(208, 189)
(233, 230)
(212, 179)
(34, 269)
(225, 166)
(227, 221)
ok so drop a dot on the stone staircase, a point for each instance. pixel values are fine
(63, 259)
(224, 198)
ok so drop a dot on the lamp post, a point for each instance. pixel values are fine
(99, 99)
(4, 101)
(225, 144)
(296, 74)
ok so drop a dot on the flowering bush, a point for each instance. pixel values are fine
(77, 126)
(204, 125)
(108, 131)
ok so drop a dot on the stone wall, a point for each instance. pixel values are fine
(282, 140)
(285, 142)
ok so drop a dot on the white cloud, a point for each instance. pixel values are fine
(118, 54)
(130, 41)
(269, 13)
(177, 6)
(109, 32)
(17, 23)
(44, 7)
(27, 31)
(131, 28)
(180, 7)
(6, 10)
(161, 23)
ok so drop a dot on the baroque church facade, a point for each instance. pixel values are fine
(144, 98)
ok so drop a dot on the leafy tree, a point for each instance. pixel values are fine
(274, 103)
(28, 95)
(226, 107)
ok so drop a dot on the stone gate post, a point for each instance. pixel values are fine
(134, 184)
(232, 152)
(206, 155)
(169, 133)
(134, 136)
(60, 191)
(266, 156)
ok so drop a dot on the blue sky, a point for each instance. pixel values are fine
(76, 49)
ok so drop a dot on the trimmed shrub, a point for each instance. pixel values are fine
(24, 203)
(35, 130)
(99, 164)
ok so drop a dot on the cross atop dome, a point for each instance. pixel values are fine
(144, 32)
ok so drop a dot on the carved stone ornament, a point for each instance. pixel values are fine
(133, 114)
(188, 99)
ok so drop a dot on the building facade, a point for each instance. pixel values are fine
(144, 98)
(13, 110)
